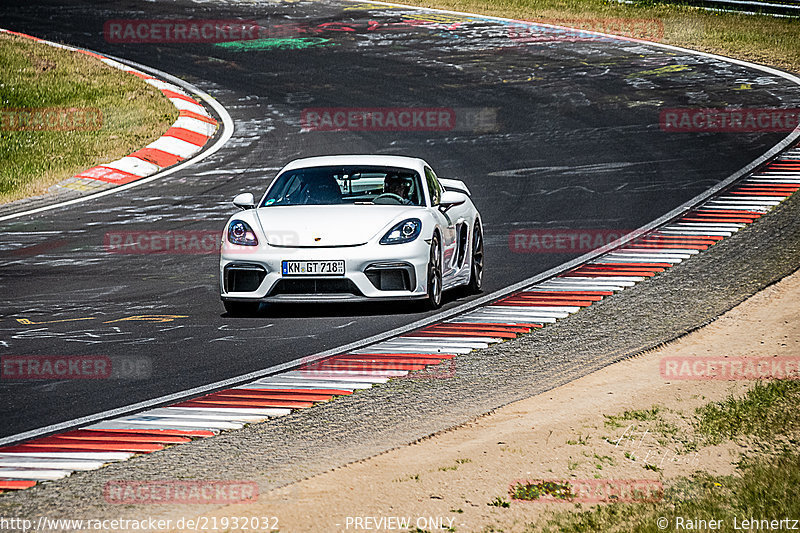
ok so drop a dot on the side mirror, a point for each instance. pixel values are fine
(450, 199)
(244, 201)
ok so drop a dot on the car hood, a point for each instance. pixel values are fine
(328, 225)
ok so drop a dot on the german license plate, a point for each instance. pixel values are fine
(312, 268)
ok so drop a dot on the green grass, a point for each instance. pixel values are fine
(499, 502)
(603, 459)
(580, 441)
(36, 75)
(767, 410)
(764, 487)
(410, 477)
(767, 40)
(530, 491)
(135, 114)
(641, 415)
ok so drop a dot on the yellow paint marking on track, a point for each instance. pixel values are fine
(369, 6)
(32, 323)
(443, 18)
(148, 318)
(136, 318)
(529, 78)
(660, 71)
(83, 185)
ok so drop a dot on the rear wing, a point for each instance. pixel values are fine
(455, 185)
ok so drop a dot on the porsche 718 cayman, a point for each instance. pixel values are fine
(351, 228)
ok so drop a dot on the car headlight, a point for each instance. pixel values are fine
(239, 232)
(405, 231)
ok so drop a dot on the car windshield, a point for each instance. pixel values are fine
(334, 185)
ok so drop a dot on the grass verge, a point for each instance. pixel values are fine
(763, 489)
(766, 412)
(761, 39)
(36, 75)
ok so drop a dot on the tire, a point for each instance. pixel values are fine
(434, 298)
(476, 262)
(235, 308)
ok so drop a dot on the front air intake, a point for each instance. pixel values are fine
(314, 286)
(243, 278)
(391, 276)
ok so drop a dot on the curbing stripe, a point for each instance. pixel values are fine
(36, 475)
(193, 124)
(157, 157)
(107, 457)
(174, 146)
(134, 165)
(108, 174)
(197, 116)
(144, 427)
(165, 423)
(189, 136)
(178, 93)
(364, 367)
(127, 170)
(46, 462)
(183, 105)
(7, 484)
(461, 314)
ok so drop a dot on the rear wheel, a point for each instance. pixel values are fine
(476, 271)
(434, 299)
(235, 308)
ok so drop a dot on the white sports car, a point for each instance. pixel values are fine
(351, 228)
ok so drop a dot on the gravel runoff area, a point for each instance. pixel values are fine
(348, 429)
(625, 423)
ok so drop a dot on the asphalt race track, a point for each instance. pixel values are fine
(553, 130)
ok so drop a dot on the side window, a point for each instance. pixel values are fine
(434, 188)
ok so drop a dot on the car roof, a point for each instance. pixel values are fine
(372, 160)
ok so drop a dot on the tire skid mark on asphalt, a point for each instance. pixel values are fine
(429, 346)
(426, 353)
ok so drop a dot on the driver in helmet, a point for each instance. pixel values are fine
(399, 186)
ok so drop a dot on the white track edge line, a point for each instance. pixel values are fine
(463, 308)
(227, 132)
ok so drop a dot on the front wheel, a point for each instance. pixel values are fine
(235, 308)
(434, 299)
(476, 270)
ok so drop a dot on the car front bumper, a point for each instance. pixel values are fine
(373, 272)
